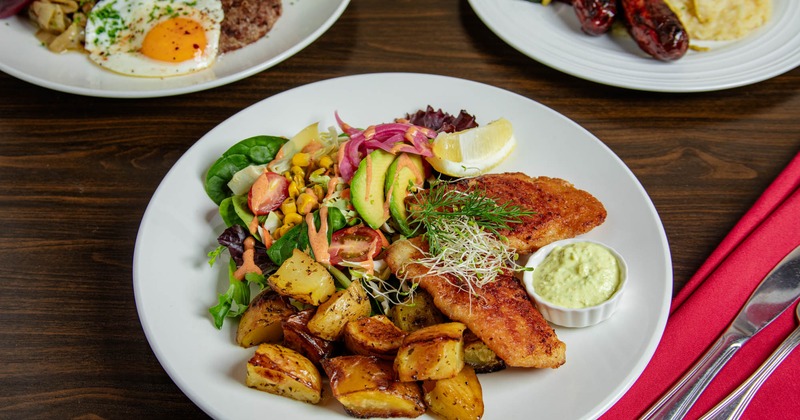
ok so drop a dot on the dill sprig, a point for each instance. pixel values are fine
(442, 204)
(462, 228)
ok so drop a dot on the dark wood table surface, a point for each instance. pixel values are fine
(76, 174)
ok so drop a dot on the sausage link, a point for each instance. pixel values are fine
(655, 28)
(10, 8)
(596, 16)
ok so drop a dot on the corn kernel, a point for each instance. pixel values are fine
(306, 203)
(288, 207)
(318, 172)
(288, 176)
(286, 228)
(299, 180)
(298, 172)
(318, 191)
(292, 219)
(293, 190)
(301, 159)
(277, 234)
(326, 162)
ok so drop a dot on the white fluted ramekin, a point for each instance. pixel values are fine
(574, 317)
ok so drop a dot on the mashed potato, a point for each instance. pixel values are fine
(721, 20)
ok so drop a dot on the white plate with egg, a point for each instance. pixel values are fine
(23, 56)
(174, 286)
(552, 36)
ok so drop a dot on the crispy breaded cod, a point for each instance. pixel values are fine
(501, 314)
(561, 210)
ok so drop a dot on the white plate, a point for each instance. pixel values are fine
(22, 56)
(174, 285)
(552, 36)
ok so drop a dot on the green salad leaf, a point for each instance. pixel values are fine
(257, 150)
(297, 237)
(228, 213)
(234, 301)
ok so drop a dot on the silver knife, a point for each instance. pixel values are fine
(779, 289)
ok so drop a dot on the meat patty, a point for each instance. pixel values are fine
(561, 211)
(247, 21)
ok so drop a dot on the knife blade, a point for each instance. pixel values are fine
(779, 289)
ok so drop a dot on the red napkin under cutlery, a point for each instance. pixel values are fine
(707, 304)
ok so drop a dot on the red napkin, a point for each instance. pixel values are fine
(707, 304)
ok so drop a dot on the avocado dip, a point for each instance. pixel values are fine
(577, 275)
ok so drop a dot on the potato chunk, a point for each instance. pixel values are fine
(368, 387)
(416, 314)
(282, 371)
(435, 352)
(302, 278)
(261, 321)
(457, 398)
(344, 306)
(296, 336)
(373, 336)
(478, 355)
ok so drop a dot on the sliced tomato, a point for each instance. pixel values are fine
(354, 244)
(267, 193)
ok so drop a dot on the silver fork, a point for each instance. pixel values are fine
(733, 406)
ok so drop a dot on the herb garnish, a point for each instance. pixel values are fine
(463, 233)
(442, 204)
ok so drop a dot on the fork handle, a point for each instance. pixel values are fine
(680, 398)
(733, 406)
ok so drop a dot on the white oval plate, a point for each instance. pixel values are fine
(174, 285)
(551, 35)
(23, 56)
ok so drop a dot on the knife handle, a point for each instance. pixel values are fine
(680, 398)
(734, 405)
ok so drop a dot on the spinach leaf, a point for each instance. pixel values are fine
(297, 237)
(242, 210)
(228, 213)
(257, 150)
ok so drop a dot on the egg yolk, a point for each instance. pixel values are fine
(175, 40)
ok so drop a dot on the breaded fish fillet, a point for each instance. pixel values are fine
(562, 211)
(501, 314)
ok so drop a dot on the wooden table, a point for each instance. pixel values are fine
(76, 174)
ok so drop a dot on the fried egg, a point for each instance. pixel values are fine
(154, 38)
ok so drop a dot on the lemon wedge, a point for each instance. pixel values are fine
(473, 151)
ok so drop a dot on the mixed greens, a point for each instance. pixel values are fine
(372, 186)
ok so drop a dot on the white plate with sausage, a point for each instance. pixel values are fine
(552, 36)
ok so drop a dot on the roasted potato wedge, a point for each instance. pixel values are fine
(456, 398)
(283, 371)
(417, 313)
(344, 306)
(296, 336)
(478, 355)
(435, 352)
(368, 387)
(373, 336)
(302, 278)
(261, 321)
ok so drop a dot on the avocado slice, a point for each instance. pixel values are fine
(366, 188)
(405, 172)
